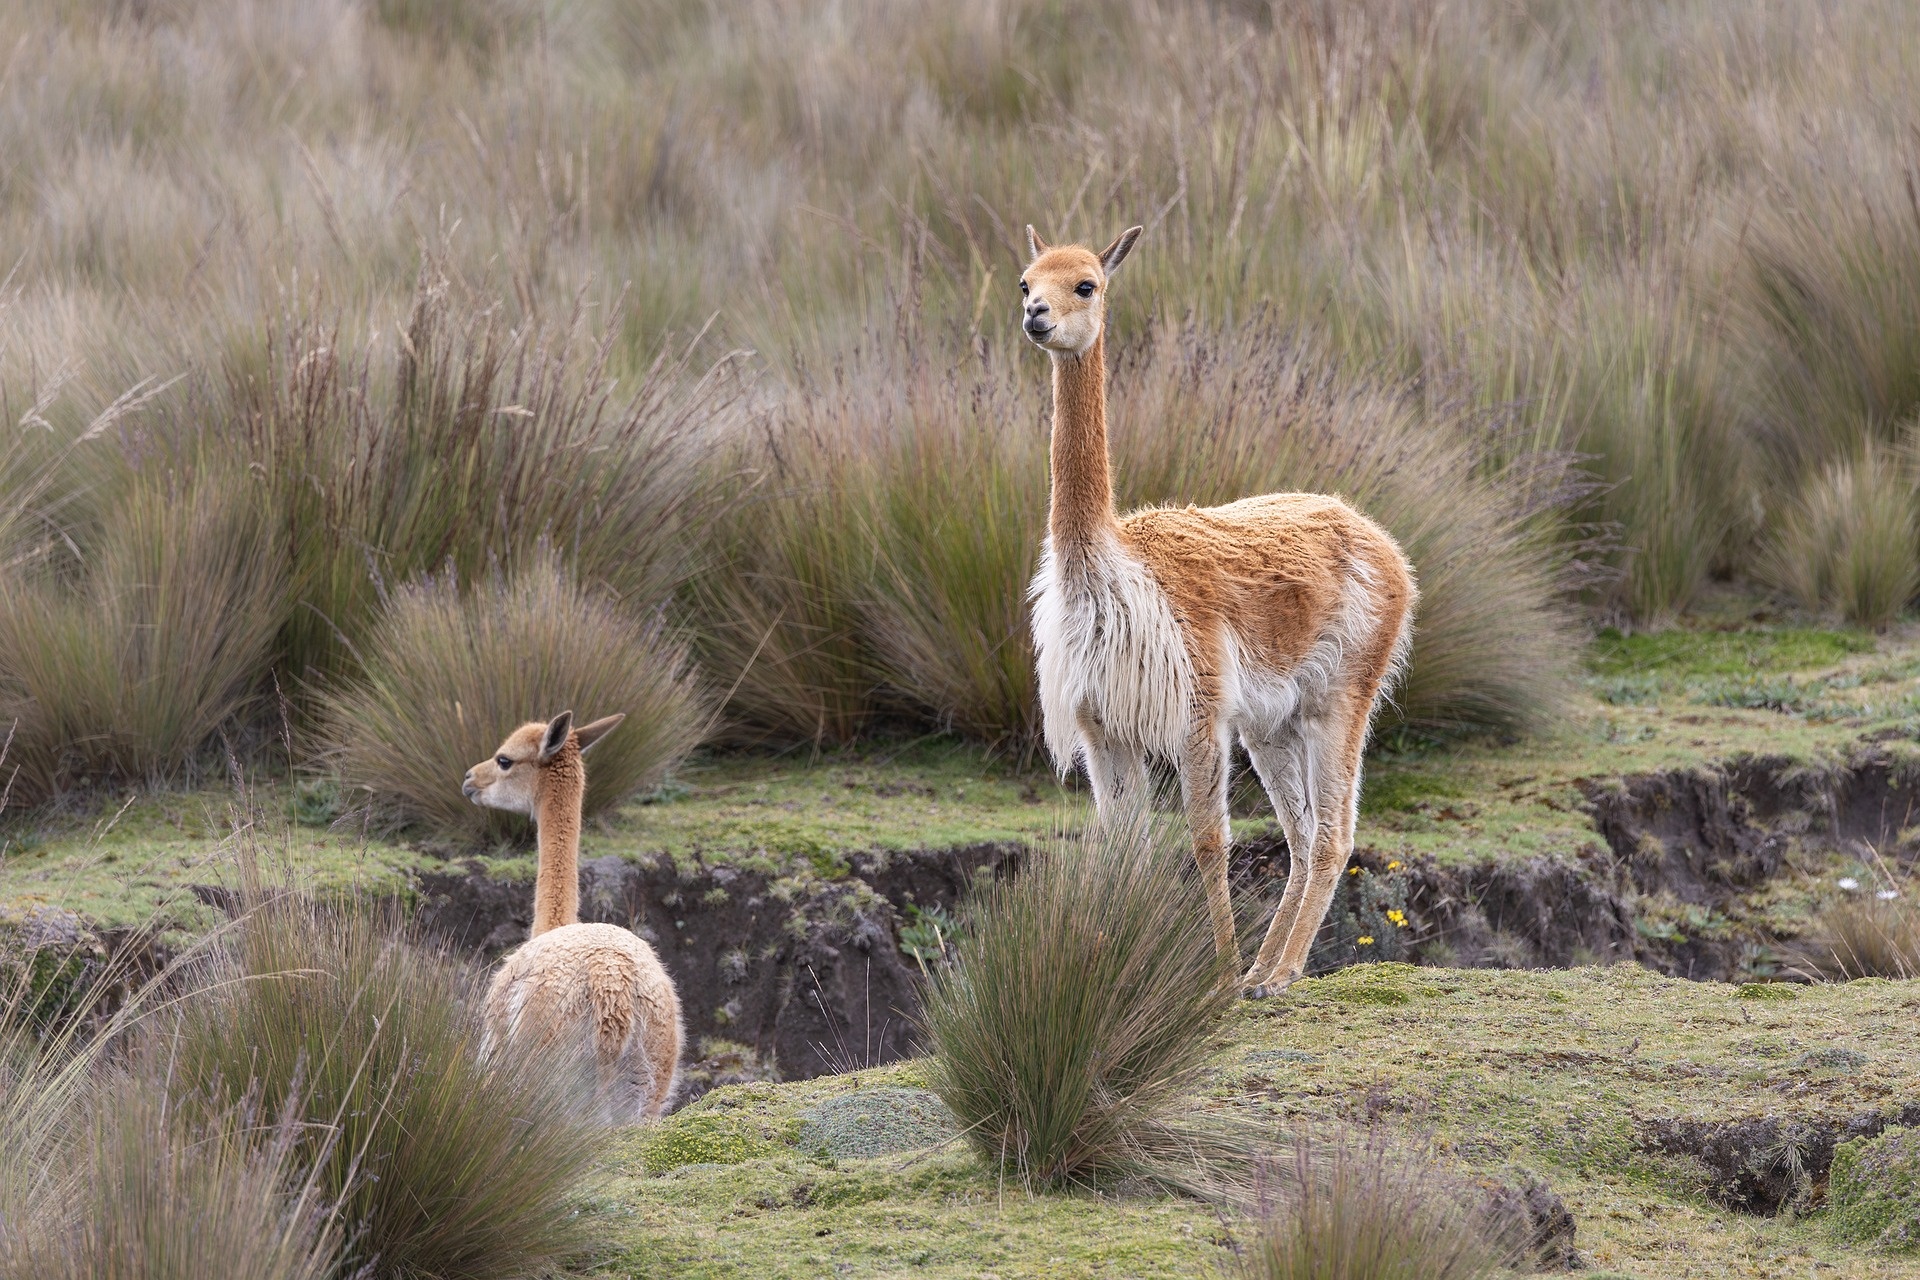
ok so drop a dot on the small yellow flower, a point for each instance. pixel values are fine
(1353, 871)
(1399, 918)
(1394, 865)
(1366, 939)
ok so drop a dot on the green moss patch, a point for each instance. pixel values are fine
(697, 1136)
(876, 1122)
(1682, 654)
(1873, 1193)
(1766, 991)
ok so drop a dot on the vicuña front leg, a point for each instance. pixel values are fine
(1203, 784)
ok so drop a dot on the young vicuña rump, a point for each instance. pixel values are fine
(572, 978)
(1168, 632)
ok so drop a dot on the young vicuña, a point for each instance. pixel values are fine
(1166, 633)
(572, 978)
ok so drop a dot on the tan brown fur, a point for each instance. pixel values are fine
(1280, 620)
(573, 979)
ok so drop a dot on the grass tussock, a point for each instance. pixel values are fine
(1361, 1207)
(1086, 997)
(150, 1197)
(126, 667)
(464, 442)
(1867, 934)
(1850, 542)
(439, 1163)
(451, 672)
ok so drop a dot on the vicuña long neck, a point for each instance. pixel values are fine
(1082, 474)
(556, 890)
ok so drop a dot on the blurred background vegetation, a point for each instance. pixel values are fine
(681, 335)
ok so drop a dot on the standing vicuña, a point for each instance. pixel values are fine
(1165, 633)
(572, 978)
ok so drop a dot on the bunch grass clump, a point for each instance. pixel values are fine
(149, 1196)
(440, 1163)
(127, 666)
(450, 672)
(1849, 543)
(462, 442)
(1865, 935)
(1360, 1207)
(1086, 997)
(104, 1174)
(776, 606)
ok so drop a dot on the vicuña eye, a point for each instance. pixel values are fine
(1023, 288)
(504, 762)
(1084, 288)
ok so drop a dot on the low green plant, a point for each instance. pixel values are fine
(929, 934)
(1364, 1208)
(449, 673)
(441, 1163)
(1085, 998)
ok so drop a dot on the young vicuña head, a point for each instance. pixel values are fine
(531, 759)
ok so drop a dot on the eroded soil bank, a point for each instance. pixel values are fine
(805, 966)
(815, 974)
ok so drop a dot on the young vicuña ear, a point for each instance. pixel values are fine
(592, 733)
(556, 736)
(1116, 253)
(1035, 245)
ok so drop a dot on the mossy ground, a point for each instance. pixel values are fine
(1553, 1071)
(1874, 1194)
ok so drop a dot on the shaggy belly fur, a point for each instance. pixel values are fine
(1109, 647)
(602, 981)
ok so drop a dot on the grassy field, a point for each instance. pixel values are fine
(377, 374)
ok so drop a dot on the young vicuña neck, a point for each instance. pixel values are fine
(556, 890)
(1082, 509)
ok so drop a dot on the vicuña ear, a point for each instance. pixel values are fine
(1035, 245)
(592, 733)
(1116, 253)
(556, 736)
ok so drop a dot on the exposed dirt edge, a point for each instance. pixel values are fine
(808, 974)
(1763, 1164)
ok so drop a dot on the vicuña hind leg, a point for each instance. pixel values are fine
(1334, 784)
(1118, 777)
(1285, 769)
(1203, 784)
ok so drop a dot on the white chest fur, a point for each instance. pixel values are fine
(1109, 648)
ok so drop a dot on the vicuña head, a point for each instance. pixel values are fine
(1065, 292)
(538, 764)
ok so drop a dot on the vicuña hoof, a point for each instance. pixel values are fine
(1263, 990)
